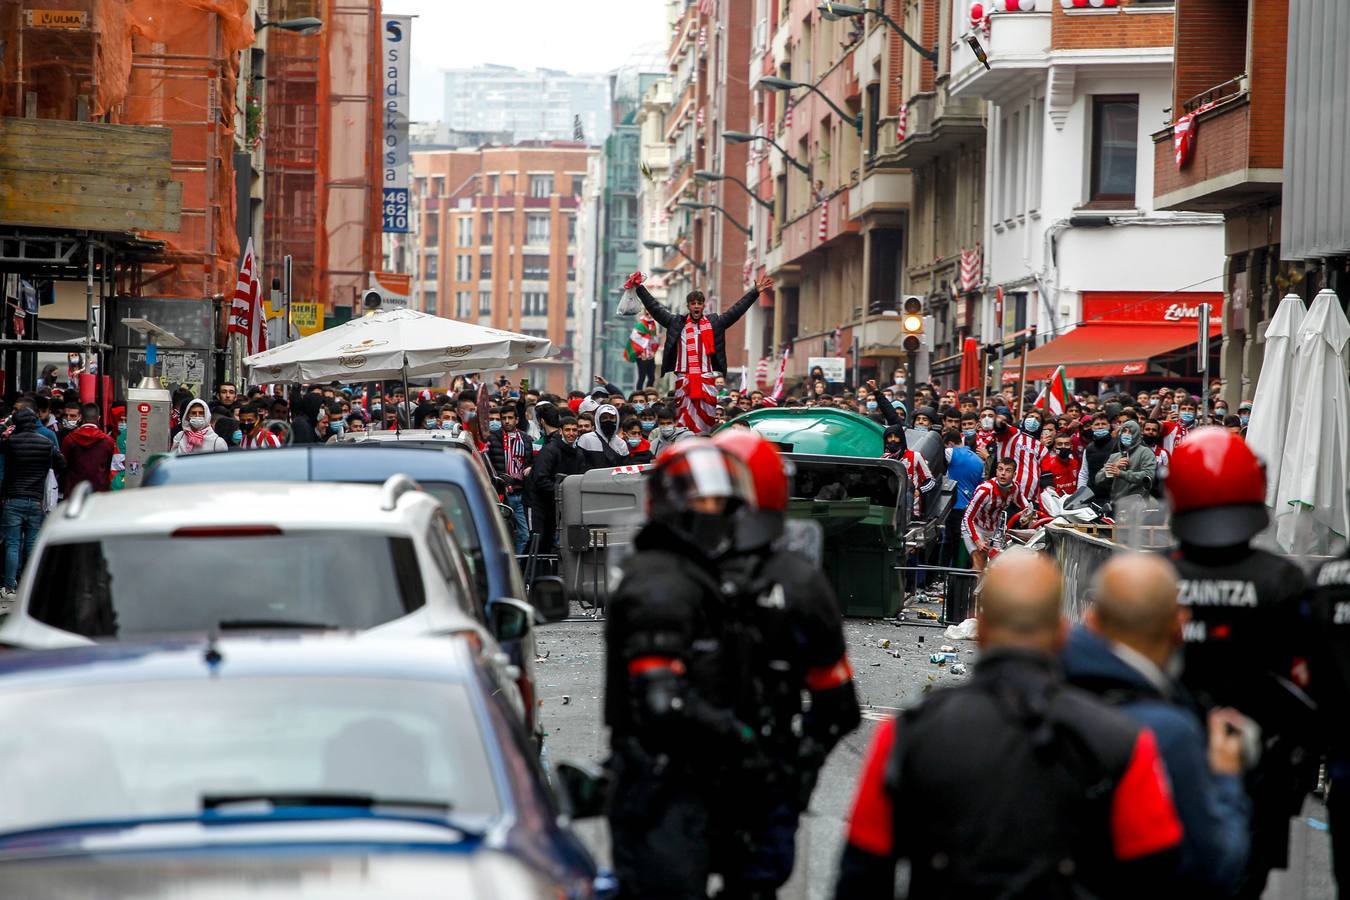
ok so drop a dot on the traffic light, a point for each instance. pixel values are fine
(911, 323)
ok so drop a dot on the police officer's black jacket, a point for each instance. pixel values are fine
(1013, 785)
(1329, 602)
(28, 456)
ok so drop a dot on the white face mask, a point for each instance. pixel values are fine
(987, 423)
(196, 423)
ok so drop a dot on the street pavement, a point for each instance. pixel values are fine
(888, 678)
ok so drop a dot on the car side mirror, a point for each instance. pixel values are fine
(548, 596)
(584, 788)
(509, 619)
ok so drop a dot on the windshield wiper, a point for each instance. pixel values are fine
(260, 624)
(321, 800)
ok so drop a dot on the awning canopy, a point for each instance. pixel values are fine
(1105, 350)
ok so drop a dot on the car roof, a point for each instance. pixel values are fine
(325, 654)
(368, 462)
(294, 505)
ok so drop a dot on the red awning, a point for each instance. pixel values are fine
(1104, 350)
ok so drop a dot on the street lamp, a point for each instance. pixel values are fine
(302, 25)
(661, 270)
(661, 245)
(695, 205)
(743, 137)
(834, 11)
(702, 175)
(784, 84)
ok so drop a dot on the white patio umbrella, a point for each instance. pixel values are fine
(1312, 512)
(396, 343)
(1269, 424)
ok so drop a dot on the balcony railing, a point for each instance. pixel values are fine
(1230, 88)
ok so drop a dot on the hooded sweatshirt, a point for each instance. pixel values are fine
(189, 442)
(604, 447)
(660, 441)
(28, 457)
(89, 453)
(1137, 478)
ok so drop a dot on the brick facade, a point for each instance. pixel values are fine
(1220, 148)
(1211, 46)
(1270, 32)
(1109, 30)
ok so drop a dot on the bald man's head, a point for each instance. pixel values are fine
(1135, 604)
(1020, 602)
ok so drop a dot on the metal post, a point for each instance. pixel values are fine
(1027, 339)
(998, 325)
(911, 365)
(1203, 352)
(88, 301)
(286, 285)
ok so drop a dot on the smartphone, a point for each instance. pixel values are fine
(1175, 407)
(524, 384)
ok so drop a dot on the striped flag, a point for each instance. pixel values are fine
(778, 383)
(707, 7)
(762, 373)
(246, 310)
(787, 113)
(1054, 397)
(971, 267)
(824, 231)
(641, 340)
(901, 122)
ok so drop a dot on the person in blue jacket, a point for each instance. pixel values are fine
(966, 469)
(1126, 652)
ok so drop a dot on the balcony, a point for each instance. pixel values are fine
(937, 123)
(1018, 49)
(1236, 158)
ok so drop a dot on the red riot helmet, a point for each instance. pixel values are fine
(700, 491)
(1217, 489)
(772, 475)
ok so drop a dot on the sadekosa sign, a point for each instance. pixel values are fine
(395, 54)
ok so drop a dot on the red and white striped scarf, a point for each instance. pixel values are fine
(514, 445)
(694, 381)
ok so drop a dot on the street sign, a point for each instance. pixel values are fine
(832, 367)
(396, 55)
(394, 288)
(307, 317)
(65, 19)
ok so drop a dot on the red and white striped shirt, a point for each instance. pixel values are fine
(261, 439)
(916, 467)
(987, 505)
(1027, 452)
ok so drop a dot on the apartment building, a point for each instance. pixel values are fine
(542, 104)
(496, 242)
(1073, 242)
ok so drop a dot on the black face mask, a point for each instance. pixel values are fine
(1064, 452)
(892, 446)
(712, 533)
(247, 427)
(1153, 440)
(1000, 427)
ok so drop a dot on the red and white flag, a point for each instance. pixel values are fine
(972, 265)
(762, 373)
(246, 311)
(778, 383)
(1054, 397)
(823, 232)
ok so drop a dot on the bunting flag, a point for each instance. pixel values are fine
(1054, 397)
(246, 310)
(824, 231)
(901, 122)
(787, 113)
(762, 373)
(778, 383)
(707, 7)
(971, 266)
(641, 340)
(702, 38)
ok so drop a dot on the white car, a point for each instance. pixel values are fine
(251, 557)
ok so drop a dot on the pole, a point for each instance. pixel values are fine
(1202, 350)
(911, 365)
(286, 285)
(998, 325)
(398, 413)
(88, 302)
(1027, 340)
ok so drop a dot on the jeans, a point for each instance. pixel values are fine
(522, 527)
(20, 523)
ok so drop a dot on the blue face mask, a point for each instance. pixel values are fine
(337, 427)
(237, 438)
(633, 442)
(639, 406)
(871, 405)
(1100, 433)
(122, 426)
(1031, 424)
(647, 426)
(968, 432)
(494, 426)
(1188, 418)
(1126, 439)
(1244, 420)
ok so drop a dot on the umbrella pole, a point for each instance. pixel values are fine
(398, 418)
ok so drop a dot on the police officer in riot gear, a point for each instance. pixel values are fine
(785, 626)
(1243, 642)
(669, 679)
(1329, 602)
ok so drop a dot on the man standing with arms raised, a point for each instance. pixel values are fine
(696, 348)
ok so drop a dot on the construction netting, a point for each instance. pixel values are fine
(168, 63)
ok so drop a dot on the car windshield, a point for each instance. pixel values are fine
(162, 748)
(122, 586)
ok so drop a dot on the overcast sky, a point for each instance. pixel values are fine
(574, 35)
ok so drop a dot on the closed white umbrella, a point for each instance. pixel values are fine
(1271, 404)
(1312, 513)
(396, 343)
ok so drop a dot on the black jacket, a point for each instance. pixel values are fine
(29, 456)
(496, 450)
(673, 323)
(554, 462)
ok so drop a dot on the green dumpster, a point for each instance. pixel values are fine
(840, 482)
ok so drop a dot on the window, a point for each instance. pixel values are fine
(571, 269)
(1115, 147)
(485, 266)
(571, 305)
(578, 182)
(536, 228)
(536, 267)
(464, 267)
(485, 230)
(1035, 143)
(571, 229)
(464, 232)
(463, 303)
(494, 185)
(485, 303)
(534, 303)
(541, 185)
(429, 267)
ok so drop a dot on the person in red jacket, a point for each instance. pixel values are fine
(1063, 464)
(89, 453)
